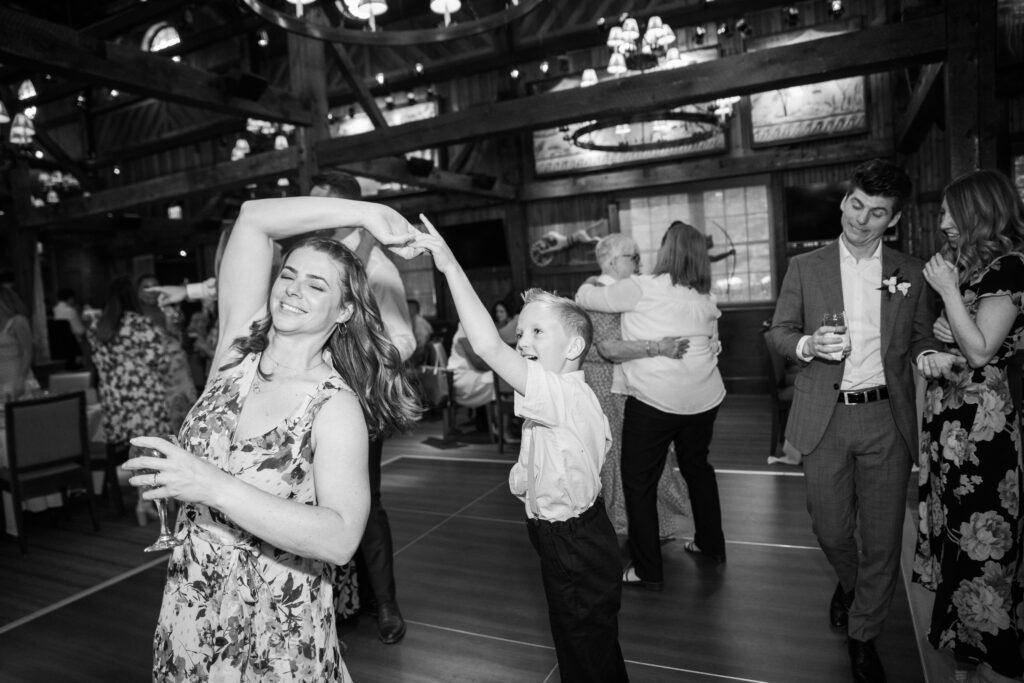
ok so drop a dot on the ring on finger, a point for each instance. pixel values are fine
(154, 480)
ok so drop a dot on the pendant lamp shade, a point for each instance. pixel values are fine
(22, 130)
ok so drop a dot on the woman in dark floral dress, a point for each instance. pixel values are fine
(132, 359)
(969, 543)
(272, 463)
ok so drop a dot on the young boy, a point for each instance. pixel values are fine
(564, 440)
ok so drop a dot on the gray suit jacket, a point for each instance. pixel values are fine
(812, 286)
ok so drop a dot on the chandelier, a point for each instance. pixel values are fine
(356, 16)
(633, 50)
(646, 132)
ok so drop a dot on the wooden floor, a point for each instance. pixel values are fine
(82, 606)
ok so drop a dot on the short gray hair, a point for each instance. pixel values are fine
(612, 245)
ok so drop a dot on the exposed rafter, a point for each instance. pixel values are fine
(911, 126)
(873, 49)
(176, 185)
(395, 169)
(56, 49)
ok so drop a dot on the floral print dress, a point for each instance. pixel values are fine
(131, 367)
(234, 607)
(969, 540)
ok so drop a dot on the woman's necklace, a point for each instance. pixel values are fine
(260, 380)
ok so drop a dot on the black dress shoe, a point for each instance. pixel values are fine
(839, 609)
(390, 624)
(864, 661)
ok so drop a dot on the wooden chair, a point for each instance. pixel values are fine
(68, 382)
(47, 452)
(780, 388)
(502, 409)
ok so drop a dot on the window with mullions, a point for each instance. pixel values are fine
(736, 222)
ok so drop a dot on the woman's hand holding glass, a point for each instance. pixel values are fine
(177, 474)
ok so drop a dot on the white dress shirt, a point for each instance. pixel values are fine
(565, 439)
(862, 301)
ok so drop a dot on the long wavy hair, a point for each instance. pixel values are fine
(989, 214)
(11, 304)
(684, 256)
(360, 348)
(122, 296)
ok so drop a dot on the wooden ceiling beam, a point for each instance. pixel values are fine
(395, 169)
(880, 48)
(911, 127)
(221, 176)
(124, 21)
(44, 140)
(363, 96)
(170, 140)
(528, 44)
(55, 49)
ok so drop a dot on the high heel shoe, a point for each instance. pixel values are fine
(144, 511)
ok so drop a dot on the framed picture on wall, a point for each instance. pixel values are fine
(809, 112)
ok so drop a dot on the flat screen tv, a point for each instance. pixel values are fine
(477, 245)
(813, 214)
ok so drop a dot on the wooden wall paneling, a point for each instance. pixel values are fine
(741, 362)
(970, 69)
(308, 78)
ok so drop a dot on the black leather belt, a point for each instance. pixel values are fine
(852, 398)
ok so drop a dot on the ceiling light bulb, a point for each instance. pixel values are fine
(616, 64)
(26, 90)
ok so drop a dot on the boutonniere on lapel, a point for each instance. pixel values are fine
(894, 283)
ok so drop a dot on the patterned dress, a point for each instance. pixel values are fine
(132, 367)
(969, 540)
(673, 503)
(234, 607)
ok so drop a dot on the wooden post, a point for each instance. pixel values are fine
(308, 79)
(971, 123)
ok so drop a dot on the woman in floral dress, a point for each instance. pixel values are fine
(272, 463)
(132, 360)
(969, 543)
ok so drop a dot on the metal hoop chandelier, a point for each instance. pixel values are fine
(709, 127)
(334, 34)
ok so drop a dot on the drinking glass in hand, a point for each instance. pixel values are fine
(166, 540)
(838, 321)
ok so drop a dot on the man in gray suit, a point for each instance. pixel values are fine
(854, 412)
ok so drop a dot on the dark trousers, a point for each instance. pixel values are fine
(646, 434)
(375, 559)
(582, 574)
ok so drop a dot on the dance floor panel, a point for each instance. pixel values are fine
(469, 586)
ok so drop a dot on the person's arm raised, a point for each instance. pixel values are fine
(474, 316)
(244, 278)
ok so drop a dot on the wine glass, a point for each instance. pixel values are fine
(166, 540)
(838, 321)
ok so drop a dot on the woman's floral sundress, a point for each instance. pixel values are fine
(235, 608)
(969, 540)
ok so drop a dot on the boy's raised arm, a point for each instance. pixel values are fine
(474, 316)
